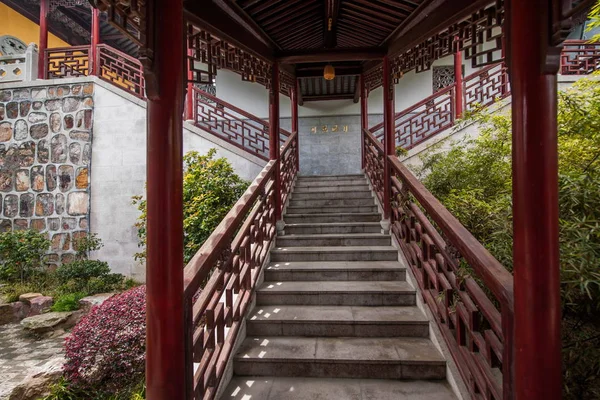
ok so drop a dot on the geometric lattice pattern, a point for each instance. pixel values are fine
(121, 69)
(67, 62)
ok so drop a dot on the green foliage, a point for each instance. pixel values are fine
(22, 255)
(85, 244)
(68, 302)
(594, 20)
(64, 390)
(473, 180)
(210, 189)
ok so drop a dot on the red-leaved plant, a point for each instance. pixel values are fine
(106, 349)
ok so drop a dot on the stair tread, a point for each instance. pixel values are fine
(319, 224)
(303, 388)
(338, 314)
(401, 350)
(333, 235)
(335, 265)
(332, 249)
(329, 287)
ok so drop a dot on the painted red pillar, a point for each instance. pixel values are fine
(274, 134)
(43, 44)
(189, 99)
(389, 141)
(458, 81)
(535, 203)
(294, 101)
(165, 365)
(364, 118)
(94, 56)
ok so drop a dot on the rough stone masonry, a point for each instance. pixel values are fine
(45, 153)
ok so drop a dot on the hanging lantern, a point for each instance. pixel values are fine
(329, 72)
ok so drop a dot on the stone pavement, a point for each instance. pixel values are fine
(22, 354)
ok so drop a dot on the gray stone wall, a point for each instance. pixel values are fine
(45, 154)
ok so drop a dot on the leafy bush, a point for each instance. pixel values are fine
(210, 189)
(68, 302)
(473, 180)
(106, 349)
(22, 255)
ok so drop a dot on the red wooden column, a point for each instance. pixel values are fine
(165, 366)
(94, 56)
(189, 99)
(535, 203)
(294, 115)
(43, 45)
(389, 142)
(274, 134)
(458, 81)
(364, 118)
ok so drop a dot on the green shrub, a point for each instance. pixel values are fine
(68, 302)
(210, 189)
(22, 255)
(473, 180)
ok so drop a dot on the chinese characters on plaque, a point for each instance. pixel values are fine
(326, 129)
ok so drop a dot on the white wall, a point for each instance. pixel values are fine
(118, 172)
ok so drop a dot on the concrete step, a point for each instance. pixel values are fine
(332, 194)
(335, 271)
(307, 178)
(331, 209)
(382, 358)
(332, 202)
(347, 293)
(346, 239)
(342, 227)
(329, 218)
(331, 183)
(335, 253)
(337, 321)
(337, 188)
(289, 388)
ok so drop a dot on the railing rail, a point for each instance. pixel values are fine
(121, 70)
(579, 57)
(451, 267)
(220, 278)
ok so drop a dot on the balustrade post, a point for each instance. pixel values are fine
(189, 99)
(43, 45)
(389, 140)
(364, 118)
(294, 101)
(166, 376)
(274, 137)
(533, 69)
(458, 81)
(95, 40)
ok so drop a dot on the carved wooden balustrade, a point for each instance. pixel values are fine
(486, 86)
(121, 70)
(423, 120)
(232, 124)
(220, 279)
(67, 62)
(579, 57)
(467, 290)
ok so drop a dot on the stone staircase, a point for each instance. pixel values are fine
(335, 317)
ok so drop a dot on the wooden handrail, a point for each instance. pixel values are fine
(288, 143)
(373, 140)
(200, 265)
(497, 278)
(230, 106)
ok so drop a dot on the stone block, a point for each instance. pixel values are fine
(21, 130)
(59, 150)
(43, 153)
(27, 297)
(78, 203)
(63, 91)
(70, 104)
(69, 121)
(40, 93)
(5, 225)
(88, 102)
(75, 153)
(11, 205)
(40, 305)
(22, 182)
(83, 223)
(12, 312)
(87, 303)
(12, 110)
(21, 94)
(53, 224)
(6, 131)
(26, 205)
(65, 177)
(83, 119)
(88, 89)
(87, 154)
(37, 178)
(37, 105)
(37, 117)
(44, 204)
(5, 95)
(60, 203)
(67, 258)
(39, 131)
(80, 135)
(60, 241)
(76, 90)
(24, 108)
(68, 224)
(26, 154)
(2, 112)
(51, 177)
(6, 181)
(53, 105)
(48, 322)
(82, 179)
(20, 224)
(55, 122)
(38, 224)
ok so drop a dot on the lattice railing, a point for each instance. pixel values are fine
(485, 87)
(233, 124)
(220, 279)
(579, 57)
(423, 120)
(121, 70)
(467, 290)
(67, 62)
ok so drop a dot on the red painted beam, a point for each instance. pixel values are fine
(294, 101)
(43, 44)
(274, 135)
(331, 55)
(165, 357)
(95, 40)
(535, 203)
(458, 82)
(189, 99)
(364, 118)
(389, 141)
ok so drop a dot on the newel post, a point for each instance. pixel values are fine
(364, 118)
(189, 98)
(274, 136)
(389, 142)
(533, 68)
(294, 115)
(43, 45)
(165, 333)
(95, 40)
(458, 80)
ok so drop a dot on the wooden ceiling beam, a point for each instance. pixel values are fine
(235, 10)
(369, 3)
(283, 10)
(319, 72)
(343, 96)
(357, 89)
(373, 12)
(212, 18)
(358, 54)
(332, 9)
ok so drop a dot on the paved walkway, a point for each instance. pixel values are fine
(22, 355)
